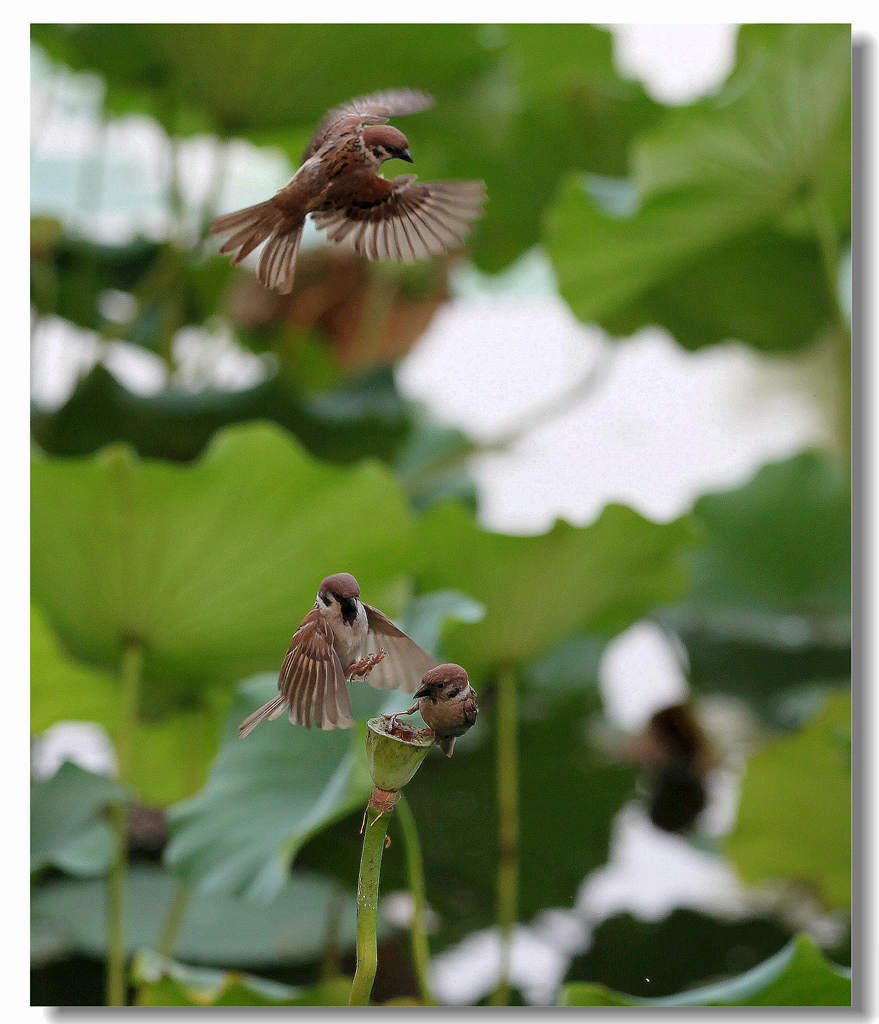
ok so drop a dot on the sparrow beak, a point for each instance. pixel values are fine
(407, 156)
(422, 691)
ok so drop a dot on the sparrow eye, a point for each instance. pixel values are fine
(325, 599)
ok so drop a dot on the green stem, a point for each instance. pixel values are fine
(131, 671)
(367, 905)
(508, 827)
(415, 868)
(173, 920)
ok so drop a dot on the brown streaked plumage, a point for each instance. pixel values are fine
(447, 703)
(339, 640)
(339, 183)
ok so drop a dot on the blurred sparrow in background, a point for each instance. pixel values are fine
(329, 648)
(339, 183)
(447, 703)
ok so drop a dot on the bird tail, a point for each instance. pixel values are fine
(251, 226)
(446, 744)
(274, 709)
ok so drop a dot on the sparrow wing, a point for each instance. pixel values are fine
(404, 219)
(406, 662)
(376, 108)
(471, 708)
(312, 681)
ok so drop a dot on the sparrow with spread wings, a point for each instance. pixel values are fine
(339, 184)
(332, 645)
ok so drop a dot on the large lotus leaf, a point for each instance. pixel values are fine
(538, 590)
(778, 545)
(248, 78)
(552, 102)
(768, 611)
(216, 929)
(68, 827)
(208, 566)
(264, 798)
(798, 975)
(771, 675)
(170, 758)
(765, 288)
(362, 418)
(164, 982)
(715, 183)
(794, 819)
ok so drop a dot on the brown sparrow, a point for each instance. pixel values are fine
(339, 184)
(677, 757)
(328, 648)
(447, 703)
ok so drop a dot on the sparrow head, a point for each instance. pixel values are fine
(339, 594)
(386, 142)
(445, 682)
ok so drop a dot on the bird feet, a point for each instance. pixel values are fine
(394, 726)
(361, 669)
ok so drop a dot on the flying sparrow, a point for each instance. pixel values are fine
(447, 703)
(329, 648)
(339, 184)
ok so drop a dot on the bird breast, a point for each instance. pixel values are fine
(348, 639)
(446, 718)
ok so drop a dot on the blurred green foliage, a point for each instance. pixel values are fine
(790, 828)
(798, 975)
(731, 196)
(195, 524)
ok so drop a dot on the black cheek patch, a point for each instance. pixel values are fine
(349, 610)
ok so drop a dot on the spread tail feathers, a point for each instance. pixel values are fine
(274, 709)
(251, 226)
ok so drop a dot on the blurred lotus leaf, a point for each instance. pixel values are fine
(778, 545)
(798, 975)
(789, 827)
(208, 566)
(360, 418)
(164, 982)
(68, 828)
(264, 798)
(539, 590)
(769, 608)
(216, 929)
(172, 753)
(719, 237)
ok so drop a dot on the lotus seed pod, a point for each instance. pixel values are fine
(392, 760)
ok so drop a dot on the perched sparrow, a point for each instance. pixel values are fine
(339, 183)
(447, 703)
(329, 648)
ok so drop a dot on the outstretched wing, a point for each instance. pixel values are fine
(312, 681)
(406, 662)
(375, 108)
(404, 219)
